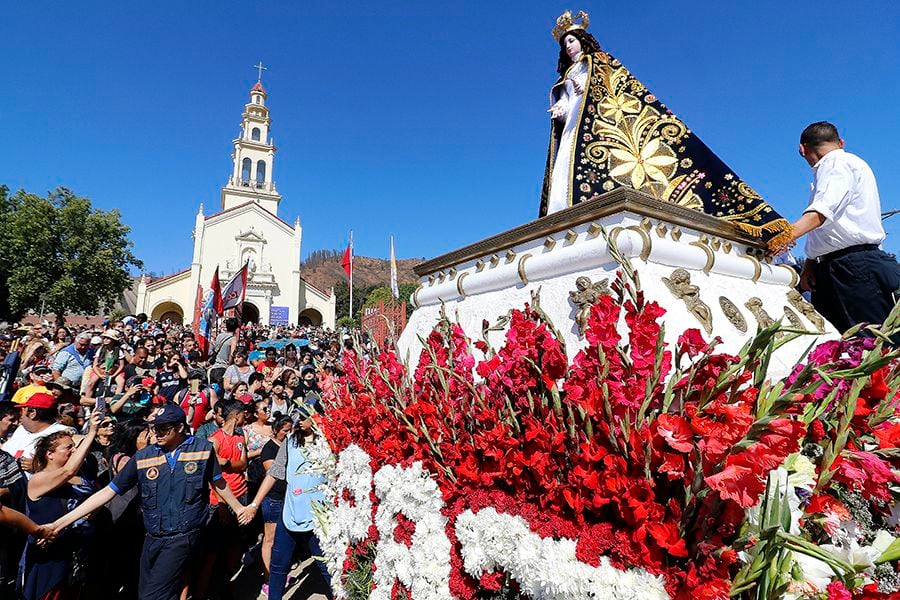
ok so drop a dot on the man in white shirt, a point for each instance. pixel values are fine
(38, 419)
(851, 279)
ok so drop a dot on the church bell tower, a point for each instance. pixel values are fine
(254, 156)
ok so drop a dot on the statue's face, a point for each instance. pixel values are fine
(572, 46)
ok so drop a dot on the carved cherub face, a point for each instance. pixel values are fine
(681, 276)
(582, 283)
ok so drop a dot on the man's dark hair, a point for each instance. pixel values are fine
(8, 408)
(231, 324)
(819, 133)
(45, 415)
(254, 377)
(230, 408)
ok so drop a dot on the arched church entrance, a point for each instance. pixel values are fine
(168, 311)
(310, 317)
(249, 313)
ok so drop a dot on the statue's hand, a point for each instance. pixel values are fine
(557, 111)
(579, 89)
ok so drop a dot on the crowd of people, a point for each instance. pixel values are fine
(133, 465)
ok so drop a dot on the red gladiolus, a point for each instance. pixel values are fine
(867, 473)
(691, 342)
(739, 481)
(560, 445)
(676, 432)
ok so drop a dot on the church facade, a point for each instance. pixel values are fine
(247, 229)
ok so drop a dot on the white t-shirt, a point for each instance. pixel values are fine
(845, 193)
(22, 442)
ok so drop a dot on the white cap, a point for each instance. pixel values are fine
(96, 340)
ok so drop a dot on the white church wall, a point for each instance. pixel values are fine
(172, 290)
(322, 302)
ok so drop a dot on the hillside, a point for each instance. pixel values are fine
(323, 269)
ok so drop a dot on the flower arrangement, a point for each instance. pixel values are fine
(636, 471)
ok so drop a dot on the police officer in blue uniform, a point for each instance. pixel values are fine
(174, 476)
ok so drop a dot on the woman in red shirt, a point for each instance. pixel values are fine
(197, 403)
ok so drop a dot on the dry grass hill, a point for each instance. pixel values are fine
(323, 269)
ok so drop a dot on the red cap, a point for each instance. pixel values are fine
(246, 398)
(148, 382)
(160, 399)
(40, 400)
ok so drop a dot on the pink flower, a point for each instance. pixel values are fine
(837, 591)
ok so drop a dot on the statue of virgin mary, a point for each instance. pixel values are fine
(609, 131)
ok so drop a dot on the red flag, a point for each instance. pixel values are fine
(347, 261)
(233, 294)
(216, 288)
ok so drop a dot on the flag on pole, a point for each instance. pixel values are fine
(216, 287)
(211, 303)
(347, 263)
(233, 294)
(395, 288)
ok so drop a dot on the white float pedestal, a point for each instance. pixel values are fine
(487, 279)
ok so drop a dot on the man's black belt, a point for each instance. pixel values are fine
(845, 251)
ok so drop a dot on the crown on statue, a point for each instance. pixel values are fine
(566, 23)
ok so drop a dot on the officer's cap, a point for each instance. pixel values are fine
(168, 413)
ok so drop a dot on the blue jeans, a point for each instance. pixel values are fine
(271, 510)
(286, 542)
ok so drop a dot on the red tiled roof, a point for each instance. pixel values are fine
(181, 272)
(258, 87)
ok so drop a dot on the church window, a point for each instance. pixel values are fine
(254, 135)
(260, 171)
(246, 165)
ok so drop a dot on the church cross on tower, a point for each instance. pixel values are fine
(260, 68)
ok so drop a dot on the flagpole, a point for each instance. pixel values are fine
(351, 274)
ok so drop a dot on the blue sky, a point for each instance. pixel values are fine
(424, 120)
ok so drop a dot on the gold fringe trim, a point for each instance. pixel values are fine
(781, 227)
(782, 241)
(776, 226)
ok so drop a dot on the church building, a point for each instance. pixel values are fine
(246, 229)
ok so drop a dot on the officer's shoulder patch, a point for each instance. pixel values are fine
(152, 473)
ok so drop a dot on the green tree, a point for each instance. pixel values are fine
(342, 299)
(61, 253)
(346, 321)
(5, 218)
(384, 293)
(117, 314)
(379, 294)
(406, 291)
